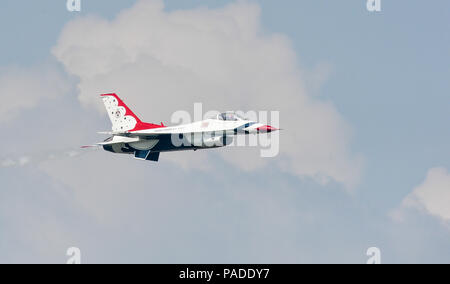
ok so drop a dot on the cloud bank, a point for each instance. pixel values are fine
(432, 196)
(23, 89)
(163, 61)
(54, 197)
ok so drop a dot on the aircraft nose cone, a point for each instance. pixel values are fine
(266, 129)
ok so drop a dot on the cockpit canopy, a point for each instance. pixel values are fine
(230, 116)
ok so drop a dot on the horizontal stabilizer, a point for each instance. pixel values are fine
(119, 139)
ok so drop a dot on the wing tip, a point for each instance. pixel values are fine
(89, 146)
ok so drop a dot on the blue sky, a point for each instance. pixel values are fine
(387, 77)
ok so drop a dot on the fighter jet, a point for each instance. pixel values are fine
(146, 141)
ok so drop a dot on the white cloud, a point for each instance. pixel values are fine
(23, 88)
(161, 62)
(8, 163)
(22, 161)
(432, 196)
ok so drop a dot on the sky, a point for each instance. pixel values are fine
(363, 160)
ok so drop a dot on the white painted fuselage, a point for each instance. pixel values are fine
(146, 141)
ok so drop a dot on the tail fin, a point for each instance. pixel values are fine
(122, 118)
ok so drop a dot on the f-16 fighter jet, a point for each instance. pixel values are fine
(146, 141)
